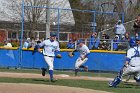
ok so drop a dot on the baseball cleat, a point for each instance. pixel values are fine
(115, 82)
(76, 72)
(110, 84)
(53, 80)
(86, 68)
(43, 71)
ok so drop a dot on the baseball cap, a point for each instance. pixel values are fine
(117, 36)
(52, 34)
(79, 41)
(119, 20)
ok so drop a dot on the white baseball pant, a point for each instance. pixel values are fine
(131, 70)
(49, 61)
(80, 62)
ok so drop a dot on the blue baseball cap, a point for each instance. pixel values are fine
(79, 41)
(52, 34)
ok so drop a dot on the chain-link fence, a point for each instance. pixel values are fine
(70, 25)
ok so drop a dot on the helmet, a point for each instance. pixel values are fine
(138, 38)
(132, 42)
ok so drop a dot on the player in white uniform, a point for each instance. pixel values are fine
(50, 46)
(132, 64)
(84, 53)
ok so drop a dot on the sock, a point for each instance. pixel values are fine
(76, 71)
(51, 74)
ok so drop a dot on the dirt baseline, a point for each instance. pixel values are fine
(40, 88)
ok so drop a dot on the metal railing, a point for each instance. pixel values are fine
(102, 44)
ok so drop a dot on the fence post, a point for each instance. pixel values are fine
(94, 21)
(21, 36)
(58, 25)
(112, 45)
(47, 32)
(86, 41)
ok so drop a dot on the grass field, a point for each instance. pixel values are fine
(90, 84)
(38, 71)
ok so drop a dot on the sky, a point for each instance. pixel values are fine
(68, 16)
(55, 3)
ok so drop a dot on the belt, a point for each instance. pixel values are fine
(132, 66)
(48, 56)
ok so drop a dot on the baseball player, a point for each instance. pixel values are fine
(132, 64)
(50, 46)
(84, 53)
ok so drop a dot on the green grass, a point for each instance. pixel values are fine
(37, 71)
(97, 85)
(71, 73)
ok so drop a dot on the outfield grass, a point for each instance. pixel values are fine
(97, 85)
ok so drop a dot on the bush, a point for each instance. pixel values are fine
(15, 44)
(1, 44)
(63, 45)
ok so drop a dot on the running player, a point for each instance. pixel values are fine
(50, 46)
(84, 53)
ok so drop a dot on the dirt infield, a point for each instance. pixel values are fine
(40, 88)
(60, 76)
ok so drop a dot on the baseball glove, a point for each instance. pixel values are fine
(58, 56)
(71, 54)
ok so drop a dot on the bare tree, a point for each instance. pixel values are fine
(32, 15)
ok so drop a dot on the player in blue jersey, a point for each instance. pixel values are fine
(50, 46)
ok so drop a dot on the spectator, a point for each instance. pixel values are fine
(136, 35)
(116, 42)
(32, 43)
(120, 29)
(7, 44)
(70, 45)
(127, 36)
(123, 45)
(94, 41)
(104, 45)
(123, 39)
(137, 25)
(105, 36)
(27, 43)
